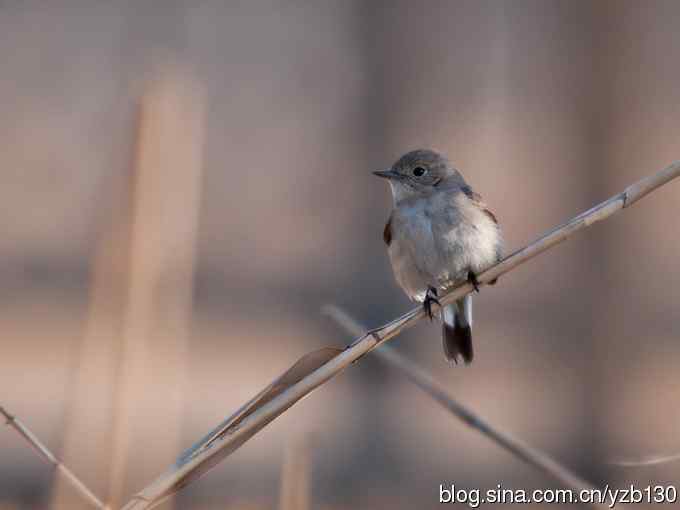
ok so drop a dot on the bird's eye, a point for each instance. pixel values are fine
(419, 171)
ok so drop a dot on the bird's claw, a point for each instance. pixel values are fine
(430, 297)
(472, 279)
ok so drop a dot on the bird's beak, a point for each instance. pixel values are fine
(387, 174)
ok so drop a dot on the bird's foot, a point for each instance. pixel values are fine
(430, 297)
(472, 279)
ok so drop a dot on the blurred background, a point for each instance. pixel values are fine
(184, 184)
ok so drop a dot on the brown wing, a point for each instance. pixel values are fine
(477, 200)
(387, 233)
(490, 215)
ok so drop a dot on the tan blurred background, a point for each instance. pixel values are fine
(184, 184)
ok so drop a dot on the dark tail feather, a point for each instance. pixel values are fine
(457, 331)
(457, 340)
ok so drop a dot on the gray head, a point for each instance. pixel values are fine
(420, 173)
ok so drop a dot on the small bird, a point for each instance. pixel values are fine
(439, 234)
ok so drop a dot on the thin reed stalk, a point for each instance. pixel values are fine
(50, 458)
(525, 452)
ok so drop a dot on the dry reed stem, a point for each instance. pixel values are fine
(164, 210)
(50, 458)
(212, 449)
(295, 475)
(652, 460)
(439, 394)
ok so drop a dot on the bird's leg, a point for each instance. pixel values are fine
(430, 297)
(472, 278)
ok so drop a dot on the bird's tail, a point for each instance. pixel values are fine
(457, 330)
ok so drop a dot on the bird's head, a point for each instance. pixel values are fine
(420, 173)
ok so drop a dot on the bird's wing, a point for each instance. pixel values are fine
(387, 232)
(477, 200)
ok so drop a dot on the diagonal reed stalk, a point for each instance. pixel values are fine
(651, 460)
(282, 394)
(50, 458)
(439, 394)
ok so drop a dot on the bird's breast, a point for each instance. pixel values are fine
(435, 242)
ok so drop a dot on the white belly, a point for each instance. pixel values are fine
(435, 247)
